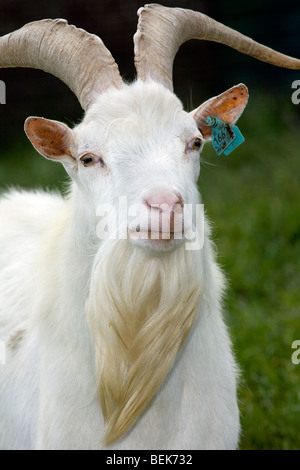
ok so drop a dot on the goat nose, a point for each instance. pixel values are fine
(163, 200)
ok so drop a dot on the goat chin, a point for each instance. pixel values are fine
(140, 310)
(155, 244)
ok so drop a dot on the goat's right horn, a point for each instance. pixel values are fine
(162, 30)
(76, 57)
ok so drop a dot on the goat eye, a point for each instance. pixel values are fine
(195, 144)
(87, 160)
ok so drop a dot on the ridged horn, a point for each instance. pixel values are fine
(76, 57)
(162, 30)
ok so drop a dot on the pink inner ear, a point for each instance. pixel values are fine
(50, 138)
(228, 107)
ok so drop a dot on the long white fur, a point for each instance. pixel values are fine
(51, 321)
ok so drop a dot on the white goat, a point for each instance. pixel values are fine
(116, 343)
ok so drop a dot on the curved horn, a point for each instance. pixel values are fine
(76, 57)
(162, 30)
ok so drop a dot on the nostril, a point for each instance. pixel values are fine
(180, 201)
(149, 203)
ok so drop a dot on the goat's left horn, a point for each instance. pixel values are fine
(76, 57)
(162, 30)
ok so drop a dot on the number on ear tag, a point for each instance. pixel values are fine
(225, 137)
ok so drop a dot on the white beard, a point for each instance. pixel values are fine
(140, 309)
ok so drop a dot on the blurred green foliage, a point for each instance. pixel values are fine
(252, 198)
(22, 166)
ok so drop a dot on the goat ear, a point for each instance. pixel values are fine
(52, 139)
(227, 107)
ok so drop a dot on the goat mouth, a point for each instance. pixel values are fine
(156, 242)
(154, 235)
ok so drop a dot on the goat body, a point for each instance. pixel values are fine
(53, 269)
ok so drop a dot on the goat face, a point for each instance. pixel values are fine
(135, 141)
(135, 158)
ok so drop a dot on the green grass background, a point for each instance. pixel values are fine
(252, 198)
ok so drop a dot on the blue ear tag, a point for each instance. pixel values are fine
(225, 137)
